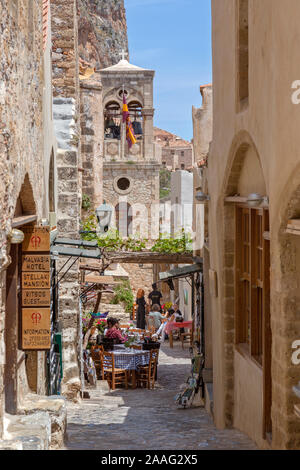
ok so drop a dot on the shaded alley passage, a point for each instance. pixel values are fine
(148, 419)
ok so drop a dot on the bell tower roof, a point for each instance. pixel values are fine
(123, 66)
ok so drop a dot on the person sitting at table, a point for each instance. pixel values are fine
(155, 317)
(178, 317)
(114, 331)
(161, 330)
(108, 325)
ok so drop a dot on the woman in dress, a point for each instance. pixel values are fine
(141, 309)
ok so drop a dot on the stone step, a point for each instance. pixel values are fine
(30, 432)
(56, 407)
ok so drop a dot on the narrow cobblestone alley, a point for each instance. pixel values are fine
(148, 419)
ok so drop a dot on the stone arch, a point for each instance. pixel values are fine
(25, 202)
(285, 305)
(241, 145)
(15, 372)
(133, 95)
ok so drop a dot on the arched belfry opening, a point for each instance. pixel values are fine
(135, 109)
(112, 120)
(246, 289)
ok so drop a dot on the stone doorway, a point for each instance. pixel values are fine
(17, 371)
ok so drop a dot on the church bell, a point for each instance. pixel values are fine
(137, 127)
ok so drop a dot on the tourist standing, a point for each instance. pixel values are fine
(155, 296)
(141, 309)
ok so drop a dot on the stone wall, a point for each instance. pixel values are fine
(268, 125)
(21, 143)
(202, 124)
(142, 193)
(66, 108)
(140, 277)
(92, 135)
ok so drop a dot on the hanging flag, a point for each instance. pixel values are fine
(125, 109)
(130, 136)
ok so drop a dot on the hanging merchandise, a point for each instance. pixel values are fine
(192, 394)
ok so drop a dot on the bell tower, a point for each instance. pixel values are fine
(130, 175)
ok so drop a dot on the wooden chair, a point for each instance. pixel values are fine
(137, 330)
(186, 336)
(146, 374)
(110, 373)
(96, 356)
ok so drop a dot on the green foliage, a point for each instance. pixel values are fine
(86, 202)
(180, 243)
(112, 240)
(164, 183)
(164, 193)
(124, 295)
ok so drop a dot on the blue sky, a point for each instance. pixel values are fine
(173, 37)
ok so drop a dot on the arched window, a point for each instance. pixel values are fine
(51, 191)
(112, 120)
(124, 218)
(243, 53)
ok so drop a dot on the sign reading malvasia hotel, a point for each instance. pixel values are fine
(36, 289)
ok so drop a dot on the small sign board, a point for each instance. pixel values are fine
(37, 239)
(36, 263)
(36, 328)
(36, 280)
(35, 298)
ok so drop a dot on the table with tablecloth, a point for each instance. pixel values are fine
(131, 359)
(172, 325)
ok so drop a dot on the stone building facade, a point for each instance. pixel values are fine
(177, 153)
(131, 176)
(102, 35)
(66, 109)
(27, 196)
(254, 273)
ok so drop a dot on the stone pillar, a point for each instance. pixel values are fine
(148, 114)
(92, 137)
(66, 110)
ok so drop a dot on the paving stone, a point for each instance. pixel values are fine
(148, 419)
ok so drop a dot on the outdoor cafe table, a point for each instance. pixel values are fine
(130, 359)
(174, 326)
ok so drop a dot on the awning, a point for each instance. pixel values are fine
(185, 271)
(77, 252)
(77, 248)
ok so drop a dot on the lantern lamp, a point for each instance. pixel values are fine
(104, 216)
(16, 236)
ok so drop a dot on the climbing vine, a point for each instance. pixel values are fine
(113, 241)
